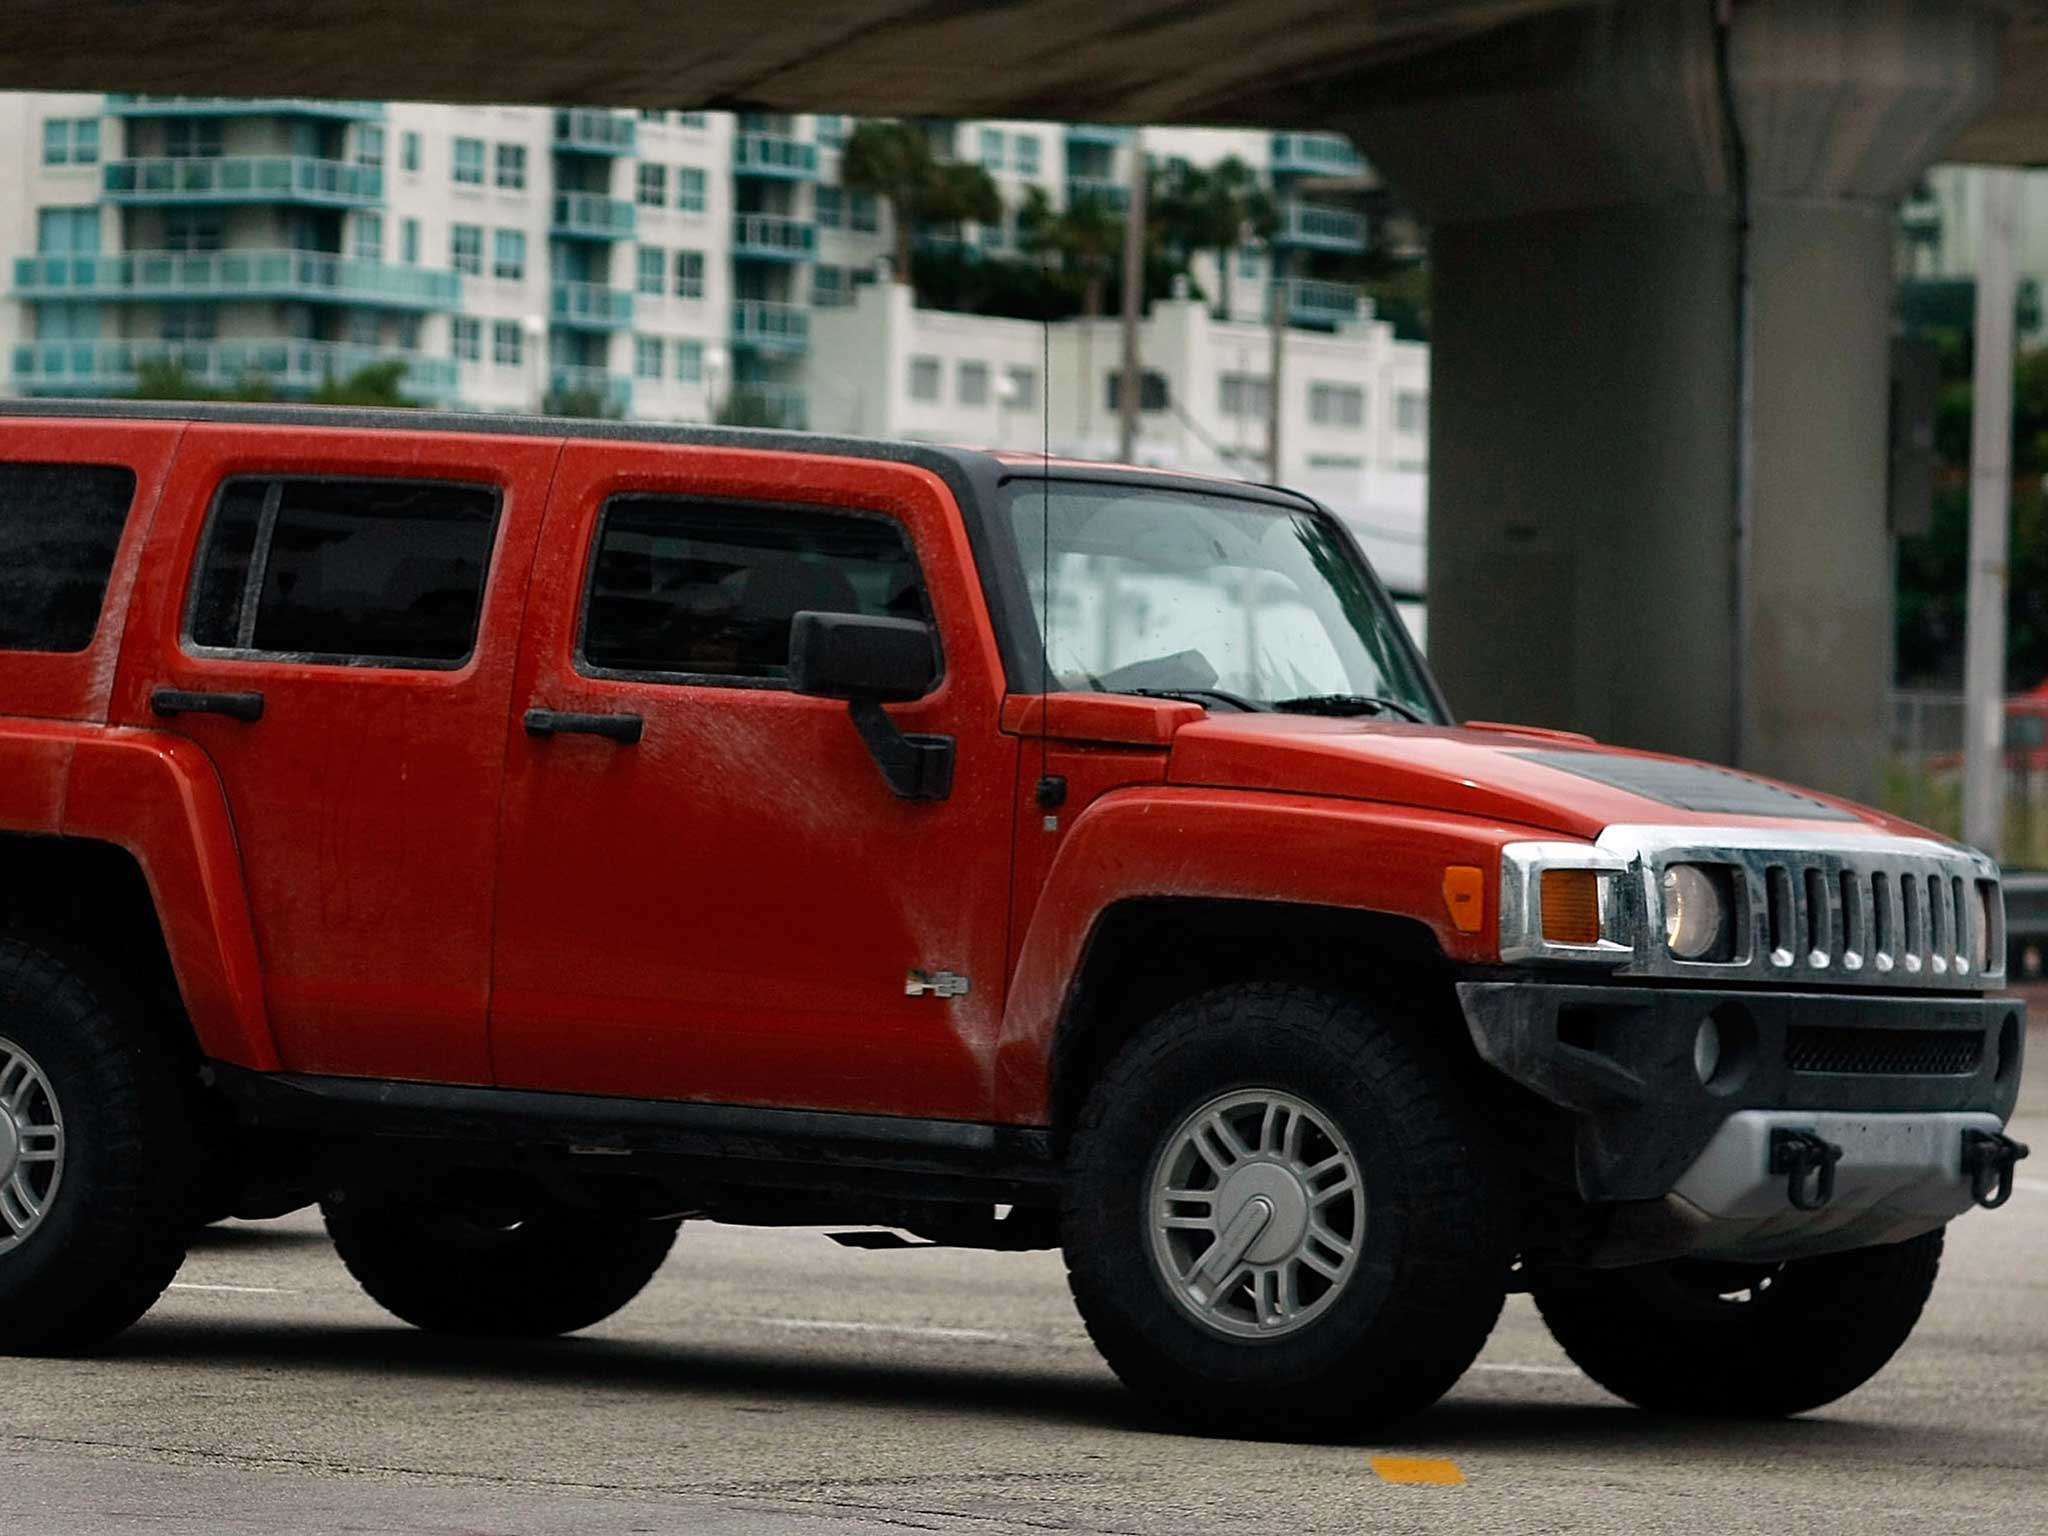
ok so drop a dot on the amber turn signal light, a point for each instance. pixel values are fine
(1465, 897)
(1571, 906)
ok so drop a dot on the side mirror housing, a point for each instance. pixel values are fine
(870, 662)
(854, 656)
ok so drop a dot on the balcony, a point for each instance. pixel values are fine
(1107, 190)
(242, 106)
(774, 155)
(773, 237)
(1098, 133)
(1305, 226)
(1321, 304)
(587, 131)
(766, 326)
(217, 180)
(109, 367)
(592, 216)
(590, 307)
(782, 405)
(614, 390)
(181, 276)
(1315, 154)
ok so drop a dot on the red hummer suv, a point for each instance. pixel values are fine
(522, 836)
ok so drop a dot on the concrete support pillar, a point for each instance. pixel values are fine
(1662, 269)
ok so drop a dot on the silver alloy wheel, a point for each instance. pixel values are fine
(1257, 1210)
(31, 1145)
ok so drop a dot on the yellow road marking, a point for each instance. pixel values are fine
(1428, 1470)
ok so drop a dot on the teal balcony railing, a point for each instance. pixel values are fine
(245, 179)
(768, 326)
(773, 154)
(1315, 154)
(1310, 302)
(241, 106)
(593, 216)
(773, 237)
(1101, 189)
(590, 307)
(289, 366)
(614, 389)
(784, 404)
(593, 132)
(190, 276)
(1309, 227)
(1097, 133)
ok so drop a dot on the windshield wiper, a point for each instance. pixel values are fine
(1200, 696)
(1348, 704)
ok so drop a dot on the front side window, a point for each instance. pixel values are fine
(60, 525)
(709, 589)
(354, 572)
(1168, 591)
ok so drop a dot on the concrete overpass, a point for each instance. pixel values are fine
(1662, 256)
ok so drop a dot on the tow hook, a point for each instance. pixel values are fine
(1808, 1163)
(1989, 1159)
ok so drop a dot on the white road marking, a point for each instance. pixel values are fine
(233, 1290)
(1526, 1370)
(899, 1330)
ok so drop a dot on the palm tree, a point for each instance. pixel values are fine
(1218, 210)
(894, 161)
(1086, 237)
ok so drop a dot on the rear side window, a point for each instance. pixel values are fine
(356, 572)
(60, 525)
(708, 589)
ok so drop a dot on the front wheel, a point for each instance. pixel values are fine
(1743, 1341)
(1277, 1223)
(492, 1277)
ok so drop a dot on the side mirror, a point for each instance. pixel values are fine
(870, 662)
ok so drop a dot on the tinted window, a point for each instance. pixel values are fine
(59, 527)
(372, 571)
(709, 590)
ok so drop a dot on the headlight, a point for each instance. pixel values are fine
(1695, 912)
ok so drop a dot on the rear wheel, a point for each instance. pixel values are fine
(95, 1157)
(492, 1276)
(1276, 1222)
(1728, 1340)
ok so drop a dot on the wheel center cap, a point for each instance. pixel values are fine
(1282, 1192)
(10, 1144)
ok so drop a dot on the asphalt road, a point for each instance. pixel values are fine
(774, 1382)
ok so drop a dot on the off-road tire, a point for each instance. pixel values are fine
(449, 1272)
(1435, 1249)
(113, 1233)
(1664, 1338)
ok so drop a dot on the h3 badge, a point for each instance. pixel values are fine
(934, 984)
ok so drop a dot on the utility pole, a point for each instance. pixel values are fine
(1277, 297)
(1131, 387)
(1990, 520)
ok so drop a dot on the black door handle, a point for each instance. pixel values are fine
(624, 729)
(185, 701)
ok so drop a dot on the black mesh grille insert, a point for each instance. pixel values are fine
(1884, 1052)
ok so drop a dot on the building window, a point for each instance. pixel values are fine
(1152, 391)
(1336, 405)
(689, 189)
(369, 145)
(991, 149)
(508, 256)
(1249, 262)
(689, 274)
(971, 383)
(647, 361)
(924, 378)
(653, 270)
(1335, 461)
(469, 162)
(505, 343)
(192, 138)
(407, 328)
(192, 229)
(690, 362)
(369, 237)
(409, 242)
(466, 338)
(409, 151)
(648, 115)
(831, 130)
(466, 248)
(690, 119)
(827, 287)
(1020, 388)
(863, 213)
(1411, 411)
(512, 167)
(652, 191)
(1027, 154)
(1243, 394)
(71, 141)
(831, 207)
(188, 322)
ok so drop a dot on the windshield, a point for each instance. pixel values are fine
(1247, 602)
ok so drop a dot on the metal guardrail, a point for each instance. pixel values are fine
(200, 275)
(244, 179)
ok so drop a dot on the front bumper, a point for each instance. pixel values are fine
(1685, 1163)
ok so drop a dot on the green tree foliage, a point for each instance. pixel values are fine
(749, 408)
(591, 404)
(894, 161)
(379, 384)
(1216, 209)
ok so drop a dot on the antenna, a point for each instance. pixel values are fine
(1052, 790)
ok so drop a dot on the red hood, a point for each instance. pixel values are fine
(1493, 774)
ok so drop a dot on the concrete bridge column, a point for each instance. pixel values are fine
(1662, 269)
